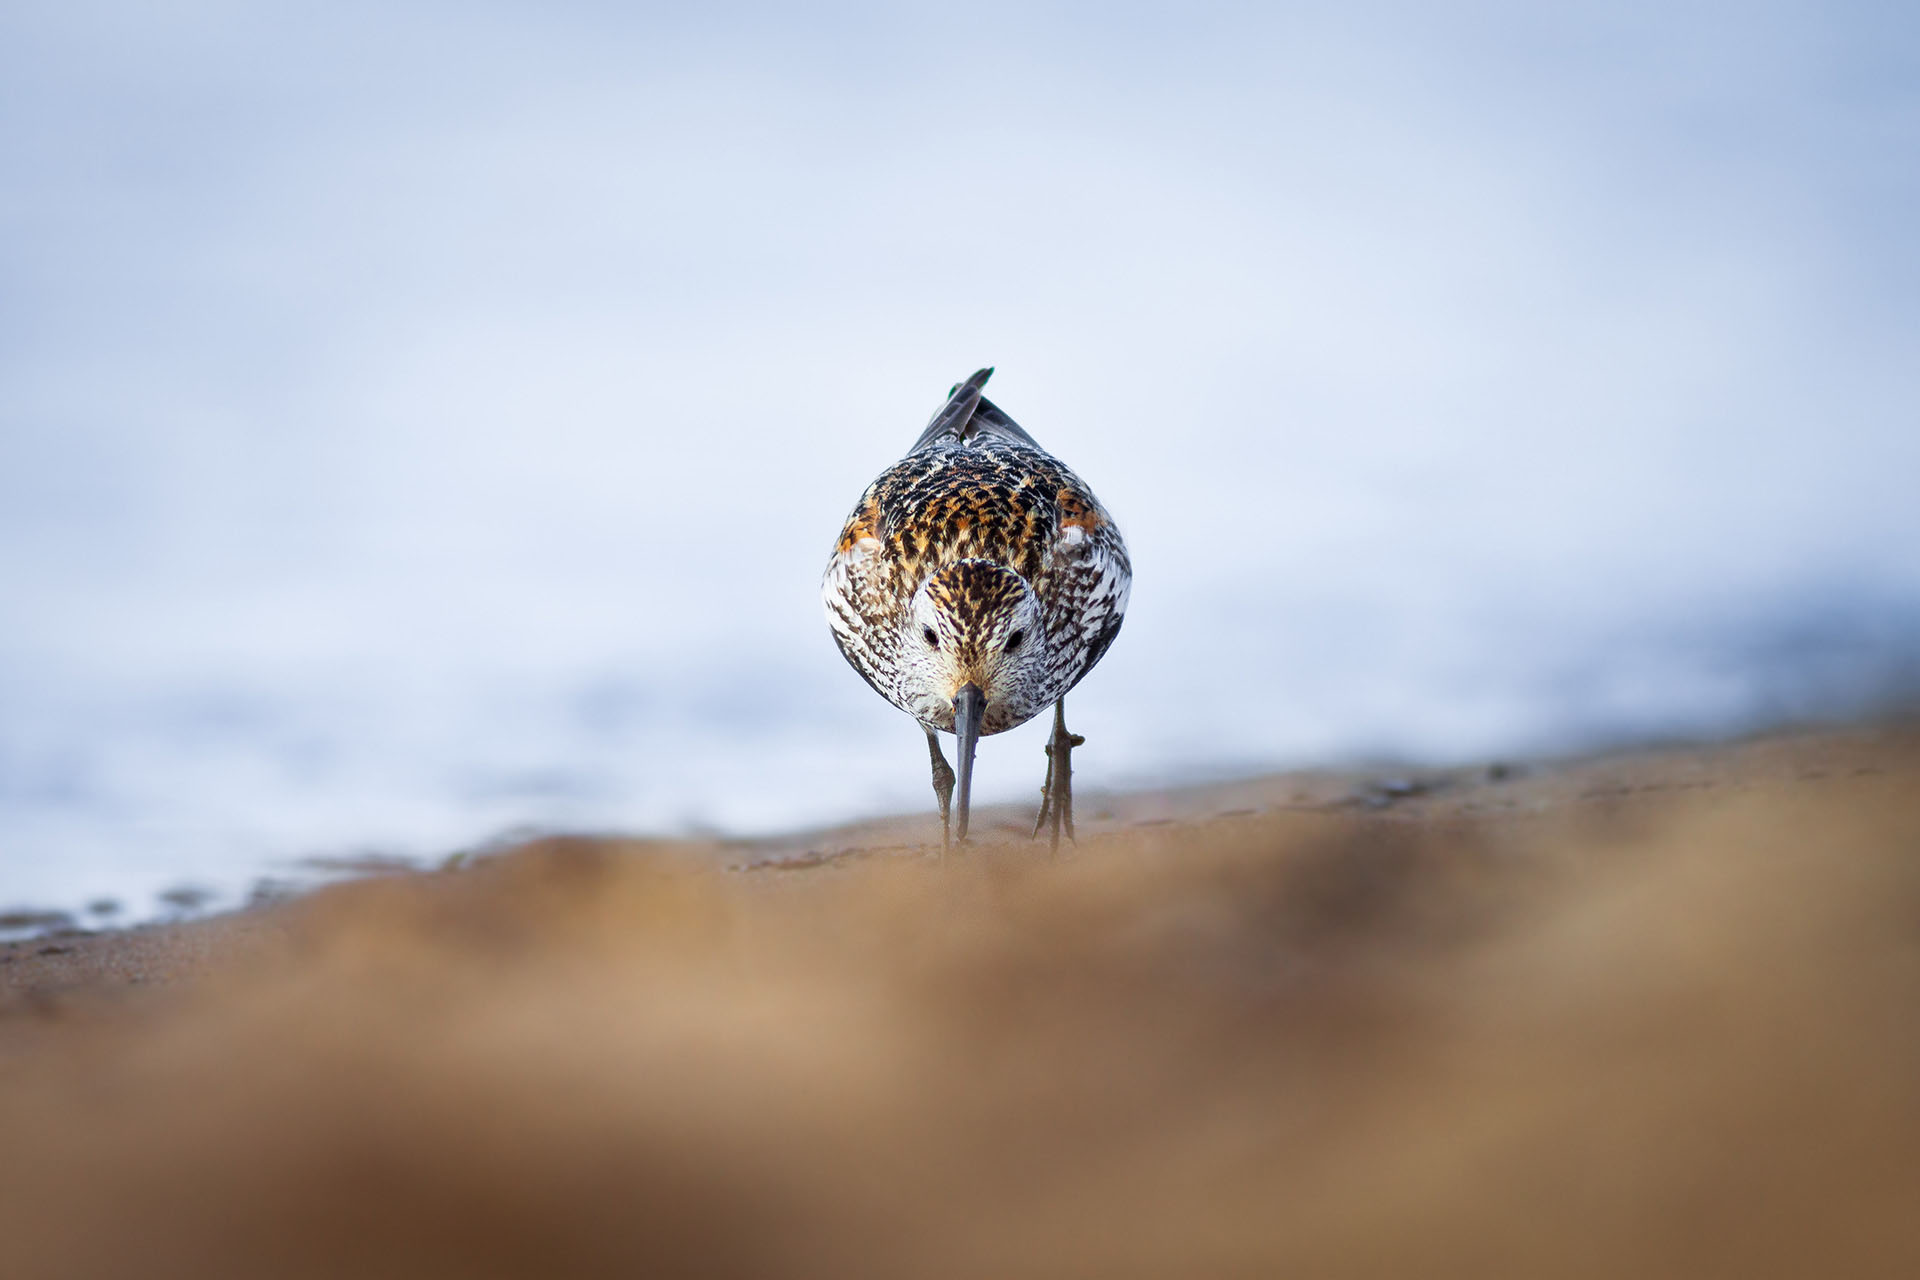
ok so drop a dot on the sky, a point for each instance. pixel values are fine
(422, 421)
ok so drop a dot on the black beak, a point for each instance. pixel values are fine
(969, 705)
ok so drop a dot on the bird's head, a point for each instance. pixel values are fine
(974, 623)
(976, 647)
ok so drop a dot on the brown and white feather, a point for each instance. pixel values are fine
(974, 530)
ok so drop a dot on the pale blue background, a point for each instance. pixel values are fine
(420, 420)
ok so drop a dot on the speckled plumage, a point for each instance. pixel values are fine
(979, 557)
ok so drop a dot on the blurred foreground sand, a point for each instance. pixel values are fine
(1653, 1014)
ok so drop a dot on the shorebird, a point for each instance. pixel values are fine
(977, 581)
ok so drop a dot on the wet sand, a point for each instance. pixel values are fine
(1655, 1013)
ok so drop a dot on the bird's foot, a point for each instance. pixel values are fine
(1056, 794)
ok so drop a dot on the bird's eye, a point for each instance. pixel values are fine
(1015, 640)
(933, 641)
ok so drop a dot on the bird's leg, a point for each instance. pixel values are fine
(1056, 795)
(942, 788)
(1046, 788)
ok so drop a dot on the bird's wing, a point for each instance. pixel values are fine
(856, 593)
(1090, 578)
(988, 420)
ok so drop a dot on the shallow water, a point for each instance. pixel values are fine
(170, 800)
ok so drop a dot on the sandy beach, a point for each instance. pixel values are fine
(1651, 1013)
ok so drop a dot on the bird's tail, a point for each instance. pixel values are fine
(951, 421)
(967, 414)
